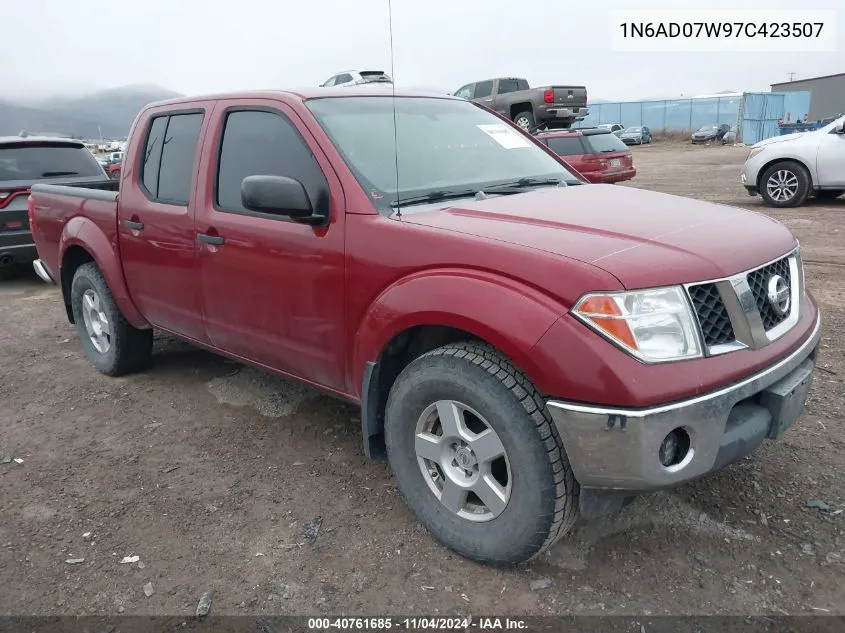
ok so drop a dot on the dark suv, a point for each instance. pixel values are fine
(25, 160)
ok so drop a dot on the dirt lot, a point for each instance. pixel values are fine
(208, 471)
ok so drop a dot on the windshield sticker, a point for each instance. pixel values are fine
(503, 135)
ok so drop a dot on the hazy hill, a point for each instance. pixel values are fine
(111, 111)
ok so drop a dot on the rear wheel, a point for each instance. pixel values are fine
(111, 344)
(477, 456)
(525, 120)
(785, 184)
(829, 194)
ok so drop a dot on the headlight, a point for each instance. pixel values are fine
(754, 152)
(652, 325)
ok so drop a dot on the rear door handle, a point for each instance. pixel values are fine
(210, 239)
(133, 226)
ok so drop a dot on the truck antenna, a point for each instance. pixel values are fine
(393, 101)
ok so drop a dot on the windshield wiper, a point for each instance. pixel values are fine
(434, 196)
(502, 188)
(523, 183)
(51, 174)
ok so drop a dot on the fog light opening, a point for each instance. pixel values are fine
(674, 448)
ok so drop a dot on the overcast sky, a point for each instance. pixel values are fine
(202, 46)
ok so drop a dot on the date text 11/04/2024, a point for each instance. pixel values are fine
(417, 624)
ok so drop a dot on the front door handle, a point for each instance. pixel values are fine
(133, 225)
(210, 239)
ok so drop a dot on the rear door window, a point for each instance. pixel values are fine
(42, 161)
(508, 85)
(566, 145)
(602, 143)
(483, 89)
(170, 154)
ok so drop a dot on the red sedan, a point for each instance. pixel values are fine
(596, 153)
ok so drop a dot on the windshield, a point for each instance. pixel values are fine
(45, 160)
(707, 128)
(832, 125)
(443, 145)
(633, 130)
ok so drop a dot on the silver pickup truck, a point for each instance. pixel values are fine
(529, 108)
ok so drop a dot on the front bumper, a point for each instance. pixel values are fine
(618, 449)
(748, 180)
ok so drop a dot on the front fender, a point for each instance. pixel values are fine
(507, 314)
(82, 232)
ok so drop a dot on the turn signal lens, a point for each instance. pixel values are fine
(605, 315)
(652, 325)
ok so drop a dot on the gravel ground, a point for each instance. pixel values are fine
(219, 477)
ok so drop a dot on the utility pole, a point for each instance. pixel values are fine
(791, 76)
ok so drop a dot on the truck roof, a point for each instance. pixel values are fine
(304, 94)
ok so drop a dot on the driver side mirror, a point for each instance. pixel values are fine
(279, 195)
(840, 129)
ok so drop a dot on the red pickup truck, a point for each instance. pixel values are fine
(524, 345)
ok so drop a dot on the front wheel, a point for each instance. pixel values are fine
(525, 120)
(785, 184)
(477, 456)
(111, 344)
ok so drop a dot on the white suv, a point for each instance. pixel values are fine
(786, 170)
(358, 78)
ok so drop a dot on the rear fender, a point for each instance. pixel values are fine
(82, 232)
(507, 314)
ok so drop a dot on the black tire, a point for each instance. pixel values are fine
(829, 194)
(525, 120)
(115, 175)
(802, 190)
(130, 349)
(544, 494)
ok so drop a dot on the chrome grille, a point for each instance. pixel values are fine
(758, 282)
(735, 312)
(712, 314)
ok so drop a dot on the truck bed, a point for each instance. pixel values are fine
(57, 205)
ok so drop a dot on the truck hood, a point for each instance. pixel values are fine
(780, 139)
(643, 238)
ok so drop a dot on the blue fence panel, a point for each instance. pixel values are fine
(678, 114)
(774, 107)
(754, 106)
(654, 114)
(762, 110)
(729, 110)
(631, 113)
(611, 112)
(704, 112)
(760, 113)
(796, 105)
